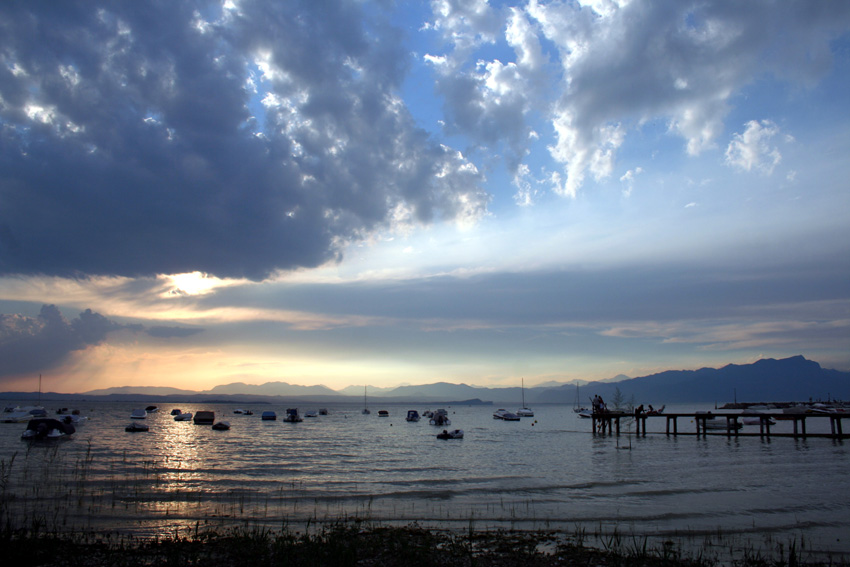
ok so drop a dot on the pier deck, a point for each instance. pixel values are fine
(726, 424)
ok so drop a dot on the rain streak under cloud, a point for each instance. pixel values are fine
(464, 191)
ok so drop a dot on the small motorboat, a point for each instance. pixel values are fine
(243, 412)
(525, 412)
(135, 426)
(186, 416)
(221, 426)
(292, 416)
(505, 415)
(455, 434)
(311, 413)
(176, 411)
(758, 420)
(151, 409)
(268, 416)
(74, 418)
(383, 413)
(412, 415)
(428, 413)
(204, 418)
(722, 425)
(323, 411)
(39, 429)
(440, 417)
(138, 414)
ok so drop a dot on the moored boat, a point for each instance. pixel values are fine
(505, 415)
(185, 416)
(412, 415)
(292, 416)
(268, 416)
(138, 413)
(383, 413)
(44, 429)
(455, 434)
(135, 426)
(440, 417)
(311, 413)
(204, 418)
(221, 425)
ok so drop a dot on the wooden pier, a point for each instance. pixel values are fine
(608, 423)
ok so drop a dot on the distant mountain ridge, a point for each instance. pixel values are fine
(767, 380)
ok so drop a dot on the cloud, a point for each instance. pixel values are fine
(233, 141)
(752, 150)
(29, 345)
(621, 65)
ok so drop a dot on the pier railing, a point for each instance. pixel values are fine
(608, 423)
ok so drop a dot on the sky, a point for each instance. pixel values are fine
(343, 193)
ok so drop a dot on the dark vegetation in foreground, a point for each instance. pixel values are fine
(353, 544)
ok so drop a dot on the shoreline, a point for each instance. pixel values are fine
(357, 542)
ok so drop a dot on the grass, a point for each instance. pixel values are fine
(47, 505)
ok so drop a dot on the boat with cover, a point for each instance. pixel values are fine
(311, 413)
(323, 411)
(243, 412)
(412, 415)
(383, 413)
(440, 417)
(268, 416)
(505, 415)
(204, 418)
(455, 434)
(45, 428)
(151, 409)
(18, 414)
(524, 411)
(176, 411)
(292, 416)
(186, 416)
(138, 413)
(135, 427)
(221, 426)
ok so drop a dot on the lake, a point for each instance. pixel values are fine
(545, 472)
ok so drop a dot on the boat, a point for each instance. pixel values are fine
(43, 428)
(221, 425)
(19, 414)
(365, 404)
(243, 412)
(323, 411)
(138, 413)
(176, 411)
(383, 413)
(440, 417)
(185, 416)
(204, 418)
(757, 421)
(455, 434)
(311, 413)
(722, 424)
(524, 411)
(577, 407)
(412, 415)
(151, 409)
(585, 413)
(135, 426)
(268, 416)
(292, 416)
(428, 413)
(73, 418)
(505, 415)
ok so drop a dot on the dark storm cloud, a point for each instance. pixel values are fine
(128, 144)
(172, 332)
(30, 344)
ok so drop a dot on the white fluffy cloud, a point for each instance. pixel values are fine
(752, 150)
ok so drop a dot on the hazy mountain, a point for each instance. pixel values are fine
(271, 389)
(789, 379)
(768, 380)
(144, 390)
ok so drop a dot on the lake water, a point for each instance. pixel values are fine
(545, 472)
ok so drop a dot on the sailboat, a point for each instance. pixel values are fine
(365, 408)
(524, 411)
(577, 406)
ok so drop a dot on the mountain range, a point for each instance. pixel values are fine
(768, 380)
